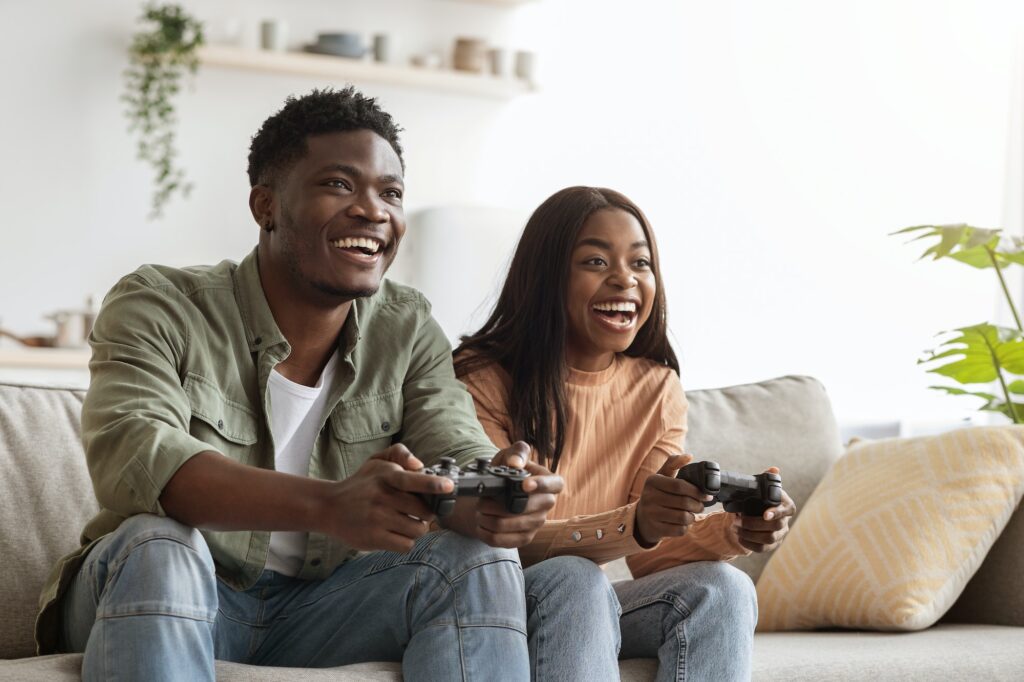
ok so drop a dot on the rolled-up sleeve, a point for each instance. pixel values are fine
(135, 419)
(439, 419)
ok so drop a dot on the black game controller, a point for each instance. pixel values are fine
(479, 479)
(749, 495)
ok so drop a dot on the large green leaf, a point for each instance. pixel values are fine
(992, 403)
(981, 351)
(974, 246)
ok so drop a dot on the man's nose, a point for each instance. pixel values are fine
(370, 208)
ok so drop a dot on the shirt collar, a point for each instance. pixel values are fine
(261, 328)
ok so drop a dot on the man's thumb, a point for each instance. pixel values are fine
(400, 455)
(674, 463)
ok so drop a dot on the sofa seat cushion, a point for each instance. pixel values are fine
(945, 652)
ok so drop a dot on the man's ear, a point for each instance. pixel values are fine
(261, 204)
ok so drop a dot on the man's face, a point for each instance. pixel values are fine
(337, 217)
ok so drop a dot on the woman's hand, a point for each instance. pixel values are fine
(764, 533)
(668, 505)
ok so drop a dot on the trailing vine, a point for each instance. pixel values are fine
(158, 58)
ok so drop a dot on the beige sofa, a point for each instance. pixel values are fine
(45, 497)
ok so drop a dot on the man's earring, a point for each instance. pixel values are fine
(268, 226)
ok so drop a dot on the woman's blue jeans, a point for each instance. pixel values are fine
(147, 605)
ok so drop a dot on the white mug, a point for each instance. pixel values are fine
(274, 35)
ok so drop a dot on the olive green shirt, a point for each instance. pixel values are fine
(180, 363)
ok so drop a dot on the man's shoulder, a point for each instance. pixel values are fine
(391, 294)
(185, 280)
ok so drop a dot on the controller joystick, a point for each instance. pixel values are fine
(478, 479)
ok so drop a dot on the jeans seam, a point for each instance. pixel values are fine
(539, 634)
(166, 614)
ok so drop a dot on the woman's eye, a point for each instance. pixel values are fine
(643, 263)
(594, 261)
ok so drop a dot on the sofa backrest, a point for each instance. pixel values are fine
(45, 499)
(785, 422)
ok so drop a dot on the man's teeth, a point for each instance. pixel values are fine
(371, 245)
(617, 306)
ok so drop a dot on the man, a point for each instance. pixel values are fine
(284, 407)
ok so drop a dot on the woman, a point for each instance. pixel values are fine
(575, 359)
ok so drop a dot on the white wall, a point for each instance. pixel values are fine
(773, 145)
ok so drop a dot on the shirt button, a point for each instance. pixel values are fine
(258, 340)
(314, 562)
(385, 426)
(599, 533)
(577, 536)
(621, 528)
(220, 424)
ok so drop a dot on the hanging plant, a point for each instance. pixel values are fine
(158, 59)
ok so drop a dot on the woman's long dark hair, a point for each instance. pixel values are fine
(526, 333)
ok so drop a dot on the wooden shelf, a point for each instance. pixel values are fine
(45, 358)
(359, 72)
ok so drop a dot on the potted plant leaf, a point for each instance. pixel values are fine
(159, 56)
(981, 353)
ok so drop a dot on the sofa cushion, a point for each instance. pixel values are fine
(785, 422)
(45, 499)
(895, 530)
(952, 653)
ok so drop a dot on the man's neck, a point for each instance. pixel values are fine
(311, 329)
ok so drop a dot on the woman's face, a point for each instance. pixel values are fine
(611, 288)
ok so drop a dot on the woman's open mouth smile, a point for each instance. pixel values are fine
(616, 316)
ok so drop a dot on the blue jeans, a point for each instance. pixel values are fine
(697, 619)
(146, 604)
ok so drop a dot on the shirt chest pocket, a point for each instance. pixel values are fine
(228, 426)
(364, 427)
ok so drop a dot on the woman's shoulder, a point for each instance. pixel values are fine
(482, 373)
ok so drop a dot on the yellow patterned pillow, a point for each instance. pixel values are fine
(894, 531)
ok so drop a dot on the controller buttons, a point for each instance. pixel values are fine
(599, 533)
(576, 536)
(480, 488)
(621, 528)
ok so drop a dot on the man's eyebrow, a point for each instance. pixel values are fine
(390, 179)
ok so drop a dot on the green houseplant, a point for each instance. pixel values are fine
(159, 56)
(982, 353)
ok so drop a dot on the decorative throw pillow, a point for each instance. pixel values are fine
(894, 531)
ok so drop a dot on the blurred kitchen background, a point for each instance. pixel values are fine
(773, 146)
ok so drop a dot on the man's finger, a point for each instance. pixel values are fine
(787, 508)
(674, 463)
(400, 455)
(415, 482)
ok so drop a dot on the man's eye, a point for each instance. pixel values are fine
(337, 183)
(393, 193)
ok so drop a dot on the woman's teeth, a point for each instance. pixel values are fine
(617, 306)
(369, 246)
(619, 313)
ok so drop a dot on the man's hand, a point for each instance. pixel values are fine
(764, 533)
(668, 505)
(499, 528)
(378, 507)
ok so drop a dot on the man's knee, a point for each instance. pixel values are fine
(158, 561)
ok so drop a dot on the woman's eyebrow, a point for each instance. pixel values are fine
(602, 244)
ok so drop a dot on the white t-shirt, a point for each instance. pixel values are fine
(296, 413)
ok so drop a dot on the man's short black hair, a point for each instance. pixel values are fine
(281, 140)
